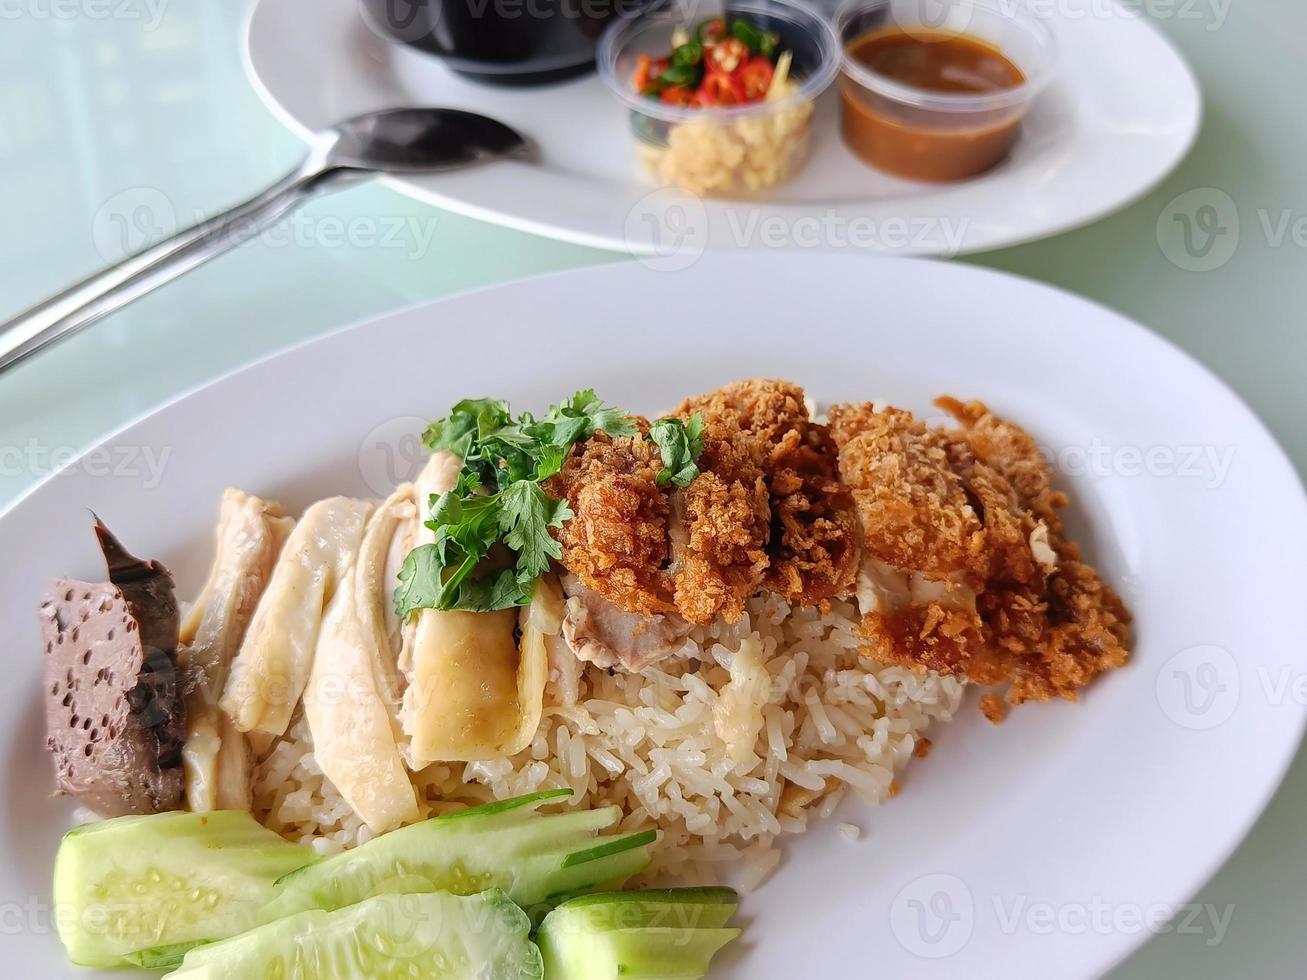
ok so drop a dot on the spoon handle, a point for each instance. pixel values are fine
(113, 288)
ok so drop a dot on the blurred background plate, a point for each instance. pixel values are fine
(1120, 114)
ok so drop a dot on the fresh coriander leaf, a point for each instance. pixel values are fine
(502, 590)
(551, 461)
(526, 517)
(466, 422)
(490, 413)
(419, 581)
(456, 583)
(694, 431)
(614, 421)
(563, 432)
(470, 521)
(597, 417)
(680, 444)
(499, 500)
(507, 589)
(466, 526)
(446, 508)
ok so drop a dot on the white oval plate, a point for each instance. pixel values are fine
(1121, 113)
(1103, 815)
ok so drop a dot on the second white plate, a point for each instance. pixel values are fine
(1121, 113)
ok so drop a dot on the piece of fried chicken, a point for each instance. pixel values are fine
(1084, 627)
(767, 510)
(923, 541)
(618, 542)
(813, 548)
(697, 552)
(966, 568)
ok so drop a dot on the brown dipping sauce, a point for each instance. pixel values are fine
(930, 143)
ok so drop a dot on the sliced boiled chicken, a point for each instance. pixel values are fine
(269, 675)
(250, 536)
(349, 702)
(472, 693)
(604, 634)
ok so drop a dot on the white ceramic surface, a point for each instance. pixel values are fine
(1100, 815)
(1121, 112)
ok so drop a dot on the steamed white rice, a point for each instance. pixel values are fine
(680, 747)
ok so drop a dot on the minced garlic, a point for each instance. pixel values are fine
(704, 156)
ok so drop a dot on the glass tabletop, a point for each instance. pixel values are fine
(120, 119)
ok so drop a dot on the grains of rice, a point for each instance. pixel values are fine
(824, 718)
(820, 720)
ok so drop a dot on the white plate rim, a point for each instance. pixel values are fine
(1107, 312)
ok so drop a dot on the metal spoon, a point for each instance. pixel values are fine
(392, 141)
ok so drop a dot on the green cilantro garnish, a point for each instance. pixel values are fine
(680, 444)
(492, 530)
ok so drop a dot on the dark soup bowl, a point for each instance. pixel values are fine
(507, 42)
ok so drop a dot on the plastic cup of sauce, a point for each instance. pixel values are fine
(942, 97)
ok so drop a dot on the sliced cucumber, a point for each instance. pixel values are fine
(391, 937)
(161, 957)
(648, 954)
(140, 891)
(637, 935)
(678, 908)
(528, 804)
(534, 858)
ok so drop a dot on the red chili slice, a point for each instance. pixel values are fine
(646, 70)
(712, 31)
(640, 80)
(755, 78)
(728, 55)
(719, 88)
(677, 95)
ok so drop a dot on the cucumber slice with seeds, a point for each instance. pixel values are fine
(391, 937)
(671, 908)
(534, 858)
(638, 935)
(140, 891)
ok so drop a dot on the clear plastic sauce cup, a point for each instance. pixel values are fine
(925, 133)
(728, 150)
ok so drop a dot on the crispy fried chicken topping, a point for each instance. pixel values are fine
(951, 538)
(813, 547)
(968, 569)
(617, 543)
